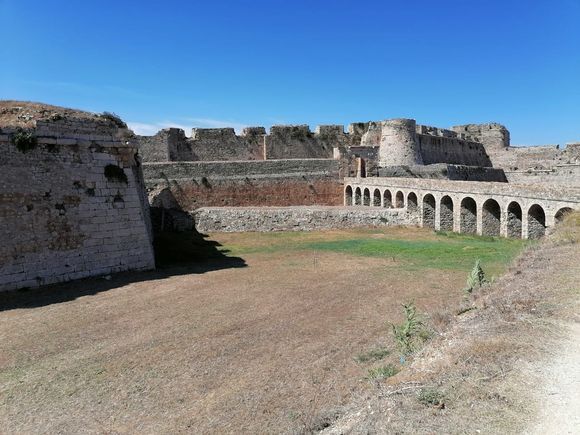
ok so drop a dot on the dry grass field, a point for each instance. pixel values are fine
(267, 335)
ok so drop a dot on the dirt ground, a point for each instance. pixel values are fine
(510, 365)
(219, 348)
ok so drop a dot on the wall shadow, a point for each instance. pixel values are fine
(176, 253)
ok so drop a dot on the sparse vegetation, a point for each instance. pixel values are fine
(383, 372)
(430, 397)
(114, 118)
(372, 355)
(476, 278)
(24, 140)
(412, 333)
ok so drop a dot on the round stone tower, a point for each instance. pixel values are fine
(398, 145)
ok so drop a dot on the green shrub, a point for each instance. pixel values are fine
(430, 397)
(476, 278)
(412, 333)
(24, 140)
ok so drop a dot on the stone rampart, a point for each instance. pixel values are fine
(247, 183)
(242, 219)
(72, 197)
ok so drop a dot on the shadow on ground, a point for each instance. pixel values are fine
(176, 253)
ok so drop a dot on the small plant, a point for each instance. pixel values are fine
(24, 140)
(476, 278)
(115, 173)
(372, 355)
(383, 372)
(410, 334)
(114, 118)
(431, 397)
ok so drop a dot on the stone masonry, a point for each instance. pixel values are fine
(241, 219)
(72, 198)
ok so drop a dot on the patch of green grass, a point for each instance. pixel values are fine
(422, 250)
(443, 253)
(430, 397)
(372, 355)
(383, 372)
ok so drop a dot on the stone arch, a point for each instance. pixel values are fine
(377, 198)
(357, 196)
(387, 199)
(446, 214)
(536, 222)
(490, 218)
(412, 203)
(468, 216)
(367, 196)
(561, 214)
(514, 220)
(428, 211)
(399, 199)
(348, 195)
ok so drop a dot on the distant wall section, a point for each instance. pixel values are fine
(246, 183)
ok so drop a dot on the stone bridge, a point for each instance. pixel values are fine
(484, 208)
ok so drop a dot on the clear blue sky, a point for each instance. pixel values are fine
(263, 62)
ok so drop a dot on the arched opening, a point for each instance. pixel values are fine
(536, 222)
(412, 204)
(514, 220)
(377, 198)
(399, 200)
(367, 197)
(468, 216)
(429, 211)
(348, 195)
(387, 199)
(357, 196)
(561, 214)
(446, 214)
(490, 218)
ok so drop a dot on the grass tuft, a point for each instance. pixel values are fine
(430, 397)
(372, 355)
(383, 372)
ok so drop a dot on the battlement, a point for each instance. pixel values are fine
(213, 133)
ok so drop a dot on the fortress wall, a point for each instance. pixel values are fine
(206, 144)
(241, 219)
(66, 209)
(494, 136)
(297, 141)
(444, 171)
(447, 149)
(246, 183)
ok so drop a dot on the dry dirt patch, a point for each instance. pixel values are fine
(265, 348)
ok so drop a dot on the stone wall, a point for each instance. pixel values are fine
(205, 144)
(72, 197)
(402, 143)
(442, 149)
(444, 171)
(492, 135)
(247, 183)
(241, 219)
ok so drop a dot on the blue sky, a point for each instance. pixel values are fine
(235, 63)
